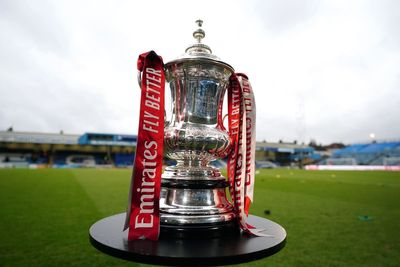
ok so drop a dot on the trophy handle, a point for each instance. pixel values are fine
(221, 117)
(223, 120)
(139, 79)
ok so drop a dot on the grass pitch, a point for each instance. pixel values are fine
(332, 218)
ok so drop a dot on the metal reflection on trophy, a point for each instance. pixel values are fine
(193, 193)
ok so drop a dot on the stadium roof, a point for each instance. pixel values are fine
(282, 147)
(38, 138)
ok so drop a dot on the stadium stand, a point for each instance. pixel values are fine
(285, 154)
(385, 153)
(15, 159)
(123, 159)
(25, 149)
(107, 139)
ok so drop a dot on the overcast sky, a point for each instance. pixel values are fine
(323, 70)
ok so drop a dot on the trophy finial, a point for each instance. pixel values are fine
(199, 49)
(199, 33)
(199, 22)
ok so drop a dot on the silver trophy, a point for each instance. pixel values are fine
(194, 207)
(193, 193)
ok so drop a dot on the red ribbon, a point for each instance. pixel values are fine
(143, 214)
(241, 160)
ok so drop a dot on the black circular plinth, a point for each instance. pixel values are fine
(107, 236)
(199, 231)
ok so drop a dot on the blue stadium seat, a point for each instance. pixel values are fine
(368, 154)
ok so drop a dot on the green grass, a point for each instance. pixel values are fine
(45, 215)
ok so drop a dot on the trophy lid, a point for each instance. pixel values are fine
(200, 51)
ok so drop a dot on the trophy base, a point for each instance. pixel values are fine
(107, 236)
(200, 231)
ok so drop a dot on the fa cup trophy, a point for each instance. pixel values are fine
(192, 198)
(183, 215)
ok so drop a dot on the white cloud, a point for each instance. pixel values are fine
(320, 69)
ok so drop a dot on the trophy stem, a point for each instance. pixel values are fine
(192, 163)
